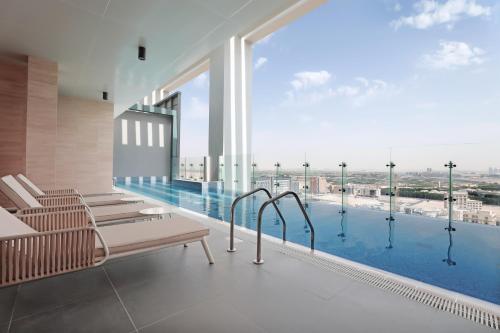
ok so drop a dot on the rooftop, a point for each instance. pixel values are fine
(175, 290)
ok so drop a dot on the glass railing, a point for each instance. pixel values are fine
(192, 168)
(417, 180)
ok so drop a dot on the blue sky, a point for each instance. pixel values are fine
(361, 81)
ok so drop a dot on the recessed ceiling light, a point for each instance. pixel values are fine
(142, 53)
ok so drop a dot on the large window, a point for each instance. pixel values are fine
(194, 118)
(137, 133)
(124, 132)
(161, 135)
(150, 134)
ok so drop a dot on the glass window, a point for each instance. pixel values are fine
(150, 134)
(137, 133)
(124, 132)
(161, 135)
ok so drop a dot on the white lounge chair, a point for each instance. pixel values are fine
(27, 204)
(36, 246)
(102, 199)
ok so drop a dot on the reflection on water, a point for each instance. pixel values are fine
(415, 247)
(343, 225)
(448, 260)
(390, 223)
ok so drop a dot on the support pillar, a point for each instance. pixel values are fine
(230, 114)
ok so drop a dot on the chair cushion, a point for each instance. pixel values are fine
(30, 187)
(103, 200)
(12, 226)
(118, 212)
(17, 193)
(129, 237)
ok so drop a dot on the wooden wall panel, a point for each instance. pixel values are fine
(84, 155)
(13, 92)
(41, 122)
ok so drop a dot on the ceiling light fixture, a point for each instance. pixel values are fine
(142, 53)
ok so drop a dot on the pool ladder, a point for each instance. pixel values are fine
(271, 201)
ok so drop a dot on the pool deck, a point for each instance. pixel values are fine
(176, 290)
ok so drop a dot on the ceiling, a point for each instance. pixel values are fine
(95, 41)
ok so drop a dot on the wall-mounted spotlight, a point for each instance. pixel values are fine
(105, 95)
(142, 53)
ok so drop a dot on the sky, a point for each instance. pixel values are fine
(364, 82)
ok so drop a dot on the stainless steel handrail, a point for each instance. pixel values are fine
(259, 260)
(233, 207)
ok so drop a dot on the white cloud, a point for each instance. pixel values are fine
(347, 91)
(452, 55)
(357, 93)
(201, 80)
(397, 7)
(196, 109)
(260, 62)
(304, 80)
(432, 12)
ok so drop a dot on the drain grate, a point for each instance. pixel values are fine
(460, 308)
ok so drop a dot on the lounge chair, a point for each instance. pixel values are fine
(93, 200)
(28, 204)
(42, 245)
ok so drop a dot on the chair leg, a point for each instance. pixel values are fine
(207, 250)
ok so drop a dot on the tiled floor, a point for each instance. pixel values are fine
(176, 290)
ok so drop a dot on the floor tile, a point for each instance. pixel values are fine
(102, 314)
(208, 317)
(46, 294)
(7, 297)
(154, 300)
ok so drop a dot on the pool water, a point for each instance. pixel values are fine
(466, 260)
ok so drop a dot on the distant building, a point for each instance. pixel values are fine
(318, 185)
(366, 191)
(482, 217)
(473, 205)
(493, 171)
(462, 202)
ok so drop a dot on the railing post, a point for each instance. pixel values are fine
(233, 208)
(259, 260)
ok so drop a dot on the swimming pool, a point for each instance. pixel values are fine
(466, 260)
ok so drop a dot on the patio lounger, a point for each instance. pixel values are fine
(29, 204)
(42, 245)
(92, 200)
(37, 191)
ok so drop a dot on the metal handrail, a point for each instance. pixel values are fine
(233, 207)
(259, 260)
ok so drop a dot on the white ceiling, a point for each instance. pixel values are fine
(95, 41)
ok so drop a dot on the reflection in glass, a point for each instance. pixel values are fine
(450, 165)
(306, 187)
(343, 178)
(276, 182)
(391, 192)
(254, 180)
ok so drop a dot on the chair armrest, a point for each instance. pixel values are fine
(59, 200)
(60, 191)
(59, 220)
(48, 209)
(32, 256)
